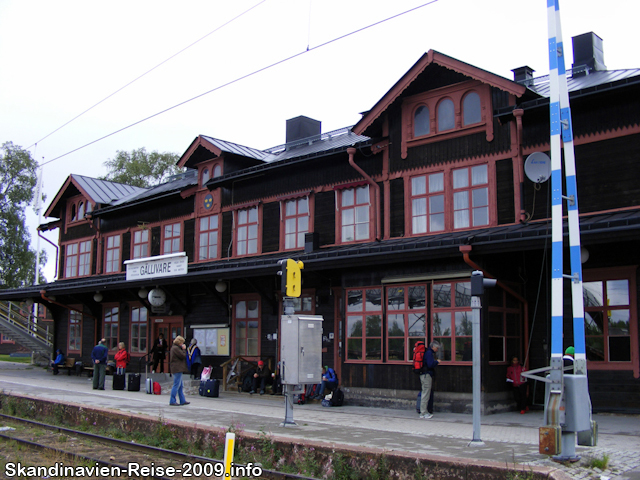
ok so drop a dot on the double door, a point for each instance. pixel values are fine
(170, 328)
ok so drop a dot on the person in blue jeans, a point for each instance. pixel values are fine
(59, 360)
(329, 380)
(99, 355)
(178, 366)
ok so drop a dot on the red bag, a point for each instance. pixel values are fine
(157, 389)
(418, 357)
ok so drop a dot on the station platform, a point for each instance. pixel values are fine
(506, 437)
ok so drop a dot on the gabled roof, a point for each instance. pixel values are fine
(98, 191)
(433, 57)
(190, 158)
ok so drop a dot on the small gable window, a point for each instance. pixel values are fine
(471, 108)
(446, 115)
(77, 207)
(421, 121)
(205, 176)
(217, 171)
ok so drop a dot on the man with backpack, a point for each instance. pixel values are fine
(427, 374)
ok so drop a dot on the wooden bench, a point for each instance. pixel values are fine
(69, 365)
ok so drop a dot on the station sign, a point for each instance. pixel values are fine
(161, 266)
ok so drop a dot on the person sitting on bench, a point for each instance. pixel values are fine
(59, 360)
(329, 381)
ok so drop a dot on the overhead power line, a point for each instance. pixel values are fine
(251, 74)
(149, 71)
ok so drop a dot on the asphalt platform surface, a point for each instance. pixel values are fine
(505, 438)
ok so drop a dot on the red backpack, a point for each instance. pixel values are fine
(418, 357)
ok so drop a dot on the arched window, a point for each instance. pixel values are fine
(205, 176)
(421, 122)
(217, 171)
(73, 212)
(80, 210)
(471, 109)
(446, 115)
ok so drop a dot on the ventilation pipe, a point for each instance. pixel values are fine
(352, 151)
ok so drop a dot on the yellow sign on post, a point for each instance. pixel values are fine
(294, 278)
(229, 446)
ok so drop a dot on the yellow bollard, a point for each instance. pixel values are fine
(229, 445)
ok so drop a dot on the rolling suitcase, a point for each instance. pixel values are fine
(133, 383)
(209, 388)
(118, 381)
(149, 385)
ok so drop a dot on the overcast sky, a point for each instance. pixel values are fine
(58, 59)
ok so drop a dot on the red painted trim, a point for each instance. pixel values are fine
(162, 237)
(138, 305)
(103, 242)
(249, 297)
(350, 185)
(196, 254)
(77, 241)
(436, 58)
(235, 210)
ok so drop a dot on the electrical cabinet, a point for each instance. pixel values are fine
(301, 349)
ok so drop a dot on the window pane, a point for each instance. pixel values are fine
(513, 324)
(395, 298)
(471, 108)
(479, 175)
(463, 294)
(496, 349)
(460, 178)
(461, 200)
(417, 297)
(595, 348)
(619, 323)
(347, 197)
(463, 324)
(374, 326)
(496, 324)
(419, 224)
(362, 231)
(290, 207)
(421, 121)
(417, 324)
(241, 309)
(354, 326)
(419, 185)
(303, 205)
(374, 348)
(362, 194)
(593, 323)
(303, 224)
(354, 301)
(395, 325)
(442, 295)
(461, 219)
(464, 351)
(480, 197)
(436, 182)
(619, 349)
(419, 206)
(444, 354)
(354, 347)
(445, 115)
(252, 309)
(348, 217)
(441, 324)
(436, 222)
(362, 214)
(374, 300)
(253, 215)
(617, 292)
(481, 216)
(592, 294)
(396, 349)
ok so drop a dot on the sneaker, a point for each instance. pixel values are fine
(252, 392)
(261, 392)
(427, 416)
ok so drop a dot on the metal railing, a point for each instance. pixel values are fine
(22, 322)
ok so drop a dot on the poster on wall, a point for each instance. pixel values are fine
(212, 339)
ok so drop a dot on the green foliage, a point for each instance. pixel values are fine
(601, 463)
(17, 184)
(141, 169)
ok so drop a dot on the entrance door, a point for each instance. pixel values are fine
(170, 327)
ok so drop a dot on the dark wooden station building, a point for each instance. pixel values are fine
(390, 217)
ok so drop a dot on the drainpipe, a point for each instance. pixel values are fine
(352, 151)
(518, 113)
(54, 246)
(466, 250)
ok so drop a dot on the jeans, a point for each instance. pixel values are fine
(177, 389)
(99, 370)
(332, 386)
(120, 370)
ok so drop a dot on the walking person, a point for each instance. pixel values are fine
(99, 355)
(159, 351)
(178, 366)
(429, 364)
(194, 359)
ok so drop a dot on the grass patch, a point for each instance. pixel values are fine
(601, 463)
(7, 358)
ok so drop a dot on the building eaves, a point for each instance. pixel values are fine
(236, 149)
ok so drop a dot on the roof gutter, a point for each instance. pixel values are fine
(352, 151)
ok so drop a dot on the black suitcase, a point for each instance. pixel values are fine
(133, 384)
(118, 381)
(209, 388)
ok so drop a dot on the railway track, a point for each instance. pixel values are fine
(73, 453)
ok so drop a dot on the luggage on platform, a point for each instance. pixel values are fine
(133, 382)
(118, 381)
(149, 386)
(157, 389)
(337, 399)
(209, 388)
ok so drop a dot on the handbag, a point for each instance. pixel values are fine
(206, 373)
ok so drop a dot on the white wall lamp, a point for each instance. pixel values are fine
(97, 297)
(221, 286)
(584, 255)
(143, 292)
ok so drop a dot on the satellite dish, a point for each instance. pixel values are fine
(537, 167)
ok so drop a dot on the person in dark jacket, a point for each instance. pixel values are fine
(194, 359)
(178, 366)
(59, 360)
(262, 375)
(329, 380)
(429, 364)
(99, 355)
(159, 351)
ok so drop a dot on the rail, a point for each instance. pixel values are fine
(24, 321)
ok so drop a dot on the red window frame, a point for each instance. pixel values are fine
(451, 320)
(423, 202)
(208, 237)
(364, 325)
(110, 325)
(352, 206)
(77, 259)
(477, 196)
(139, 329)
(247, 231)
(246, 324)
(140, 244)
(171, 238)
(112, 254)
(296, 222)
(74, 337)
(406, 316)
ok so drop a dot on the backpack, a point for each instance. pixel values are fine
(337, 398)
(247, 382)
(418, 357)
(157, 389)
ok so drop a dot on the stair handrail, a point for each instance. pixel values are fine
(231, 369)
(13, 314)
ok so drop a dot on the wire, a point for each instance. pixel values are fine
(255, 72)
(149, 71)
